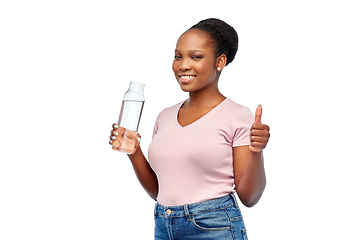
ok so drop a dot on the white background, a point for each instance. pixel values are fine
(65, 65)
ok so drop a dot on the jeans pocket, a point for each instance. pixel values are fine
(237, 223)
(211, 221)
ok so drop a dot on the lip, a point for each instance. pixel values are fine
(186, 78)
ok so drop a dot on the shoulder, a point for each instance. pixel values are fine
(238, 109)
(169, 111)
(239, 113)
(230, 103)
(165, 117)
(240, 124)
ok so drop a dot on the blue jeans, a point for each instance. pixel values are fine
(214, 219)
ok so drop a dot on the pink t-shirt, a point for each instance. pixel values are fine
(195, 163)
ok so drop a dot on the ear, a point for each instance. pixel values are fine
(221, 61)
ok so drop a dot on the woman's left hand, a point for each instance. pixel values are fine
(259, 133)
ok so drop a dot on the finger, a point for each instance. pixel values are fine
(260, 133)
(116, 143)
(259, 126)
(137, 143)
(116, 134)
(256, 139)
(256, 132)
(138, 140)
(257, 145)
(258, 114)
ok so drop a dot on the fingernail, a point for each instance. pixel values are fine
(115, 133)
(113, 138)
(110, 142)
(115, 126)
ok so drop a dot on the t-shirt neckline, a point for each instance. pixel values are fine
(193, 123)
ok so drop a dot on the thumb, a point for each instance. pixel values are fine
(258, 114)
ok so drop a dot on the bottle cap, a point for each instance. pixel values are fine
(135, 92)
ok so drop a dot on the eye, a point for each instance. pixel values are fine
(177, 57)
(197, 57)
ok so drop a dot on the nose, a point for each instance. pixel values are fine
(184, 65)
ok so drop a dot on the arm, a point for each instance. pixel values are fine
(144, 173)
(249, 172)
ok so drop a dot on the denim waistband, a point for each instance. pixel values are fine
(189, 210)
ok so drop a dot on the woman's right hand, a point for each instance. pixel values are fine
(124, 140)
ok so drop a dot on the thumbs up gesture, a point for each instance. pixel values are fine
(259, 133)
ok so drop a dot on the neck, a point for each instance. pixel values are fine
(204, 98)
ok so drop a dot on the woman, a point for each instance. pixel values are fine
(205, 148)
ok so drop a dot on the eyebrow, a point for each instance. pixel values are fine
(195, 50)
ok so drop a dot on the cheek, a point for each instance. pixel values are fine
(205, 69)
(174, 66)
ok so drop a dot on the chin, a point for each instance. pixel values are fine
(187, 87)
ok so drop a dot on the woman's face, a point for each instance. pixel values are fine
(195, 65)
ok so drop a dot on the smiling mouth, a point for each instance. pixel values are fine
(187, 77)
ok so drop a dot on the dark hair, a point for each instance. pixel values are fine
(225, 38)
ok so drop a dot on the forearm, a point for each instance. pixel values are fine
(144, 173)
(252, 183)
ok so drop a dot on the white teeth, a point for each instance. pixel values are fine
(187, 77)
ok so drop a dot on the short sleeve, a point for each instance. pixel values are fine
(242, 122)
(156, 126)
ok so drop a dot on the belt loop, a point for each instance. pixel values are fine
(235, 201)
(186, 209)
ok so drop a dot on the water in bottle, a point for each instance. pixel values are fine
(130, 115)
